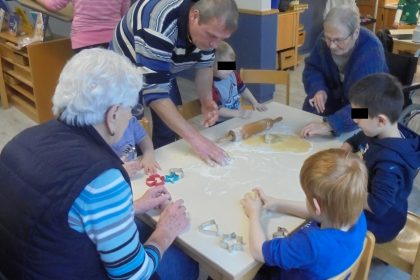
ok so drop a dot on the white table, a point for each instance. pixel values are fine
(214, 192)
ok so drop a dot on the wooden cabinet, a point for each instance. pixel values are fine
(28, 76)
(290, 36)
(385, 16)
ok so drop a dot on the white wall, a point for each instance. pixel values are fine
(255, 5)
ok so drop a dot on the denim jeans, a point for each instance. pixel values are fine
(162, 134)
(175, 264)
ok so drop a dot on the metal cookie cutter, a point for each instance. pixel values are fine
(209, 227)
(232, 242)
(280, 233)
(177, 171)
(155, 180)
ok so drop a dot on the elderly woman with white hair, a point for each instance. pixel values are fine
(66, 203)
(343, 54)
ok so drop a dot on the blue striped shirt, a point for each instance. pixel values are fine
(104, 211)
(154, 35)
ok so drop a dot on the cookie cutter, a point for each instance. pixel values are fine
(171, 178)
(210, 227)
(155, 180)
(232, 242)
(177, 171)
(280, 233)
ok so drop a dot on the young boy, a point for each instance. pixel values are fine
(391, 153)
(228, 86)
(334, 182)
(125, 148)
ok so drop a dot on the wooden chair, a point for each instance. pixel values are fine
(276, 77)
(190, 109)
(404, 251)
(359, 270)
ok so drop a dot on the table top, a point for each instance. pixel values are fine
(402, 35)
(215, 192)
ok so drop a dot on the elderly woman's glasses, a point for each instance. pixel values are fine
(336, 41)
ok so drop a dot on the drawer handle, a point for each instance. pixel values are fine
(287, 57)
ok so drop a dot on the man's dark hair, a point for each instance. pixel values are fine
(380, 93)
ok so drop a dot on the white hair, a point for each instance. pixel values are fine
(344, 15)
(91, 82)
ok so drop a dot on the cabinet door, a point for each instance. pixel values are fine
(389, 16)
(286, 30)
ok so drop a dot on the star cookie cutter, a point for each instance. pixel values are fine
(280, 233)
(232, 242)
(155, 180)
(171, 178)
(210, 227)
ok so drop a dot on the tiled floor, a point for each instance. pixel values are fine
(12, 122)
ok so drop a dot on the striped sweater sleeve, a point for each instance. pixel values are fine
(104, 211)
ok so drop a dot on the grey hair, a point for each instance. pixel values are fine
(225, 10)
(344, 15)
(91, 82)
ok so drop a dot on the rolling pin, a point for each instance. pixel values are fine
(250, 129)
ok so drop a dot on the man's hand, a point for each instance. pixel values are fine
(155, 197)
(322, 128)
(210, 112)
(209, 152)
(318, 101)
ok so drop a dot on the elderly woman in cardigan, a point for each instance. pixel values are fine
(343, 54)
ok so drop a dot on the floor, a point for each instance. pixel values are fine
(13, 121)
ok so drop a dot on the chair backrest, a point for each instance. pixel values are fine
(402, 66)
(403, 251)
(386, 39)
(275, 77)
(190, 109)
(359, 270)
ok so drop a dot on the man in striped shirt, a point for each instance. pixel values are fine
(165, 37)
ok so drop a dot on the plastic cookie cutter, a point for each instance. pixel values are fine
(210, 227)
(177, 171)
(232, 242)
(280, 233)
(171, 178)
(155, 180)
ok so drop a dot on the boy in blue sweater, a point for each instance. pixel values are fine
(391, 153)
(334, 182)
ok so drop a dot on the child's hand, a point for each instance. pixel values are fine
(269, 202)
(252, 204)
(132, 167)
(346, 147)
(149, 164)
(259, 107)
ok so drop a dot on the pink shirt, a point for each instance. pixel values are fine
(94, 21)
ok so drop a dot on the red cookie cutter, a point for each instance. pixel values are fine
(155, 180)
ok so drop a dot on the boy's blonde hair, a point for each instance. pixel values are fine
(338, 180)
(225, 52)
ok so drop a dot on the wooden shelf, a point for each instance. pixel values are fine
(28, 76)
(19, 77)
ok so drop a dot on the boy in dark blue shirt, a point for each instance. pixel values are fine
(334, 182)
(391, 153)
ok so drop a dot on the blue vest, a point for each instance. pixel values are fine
(42, 171)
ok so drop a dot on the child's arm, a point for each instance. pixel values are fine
(250, 97)
(397, 18)
(295, 208)
(232, 113)
(148, 161)
(252, 207)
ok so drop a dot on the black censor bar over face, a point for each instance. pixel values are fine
(226, 65)
(359, 113)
